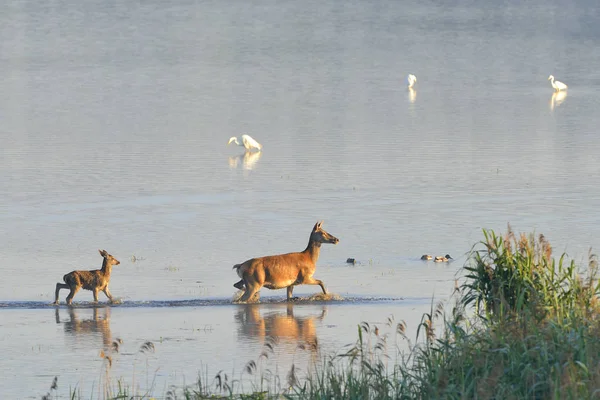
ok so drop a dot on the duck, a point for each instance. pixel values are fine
(426, 257)
(445, 258)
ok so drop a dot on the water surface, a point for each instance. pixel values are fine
(114, 124)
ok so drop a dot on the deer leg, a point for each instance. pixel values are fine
(74, 289)
(58, 287)
(95, 295)
(107, 293)
(251, 290)
(313, 281)
(239, 285)
(290, 289)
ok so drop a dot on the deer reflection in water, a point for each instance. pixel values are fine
(248, 160)
(283, 328)
(86, 329)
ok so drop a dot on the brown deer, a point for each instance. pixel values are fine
(284, 270)
(95, 280)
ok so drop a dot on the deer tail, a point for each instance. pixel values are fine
(237, 267)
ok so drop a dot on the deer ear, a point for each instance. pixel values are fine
(102, 253)
(318, 225)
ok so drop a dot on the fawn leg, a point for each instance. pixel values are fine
(58, 287)
(74, 290)
(107, 293)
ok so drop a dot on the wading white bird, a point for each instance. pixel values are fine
(557, 85)
(411, 80)
(247, 142)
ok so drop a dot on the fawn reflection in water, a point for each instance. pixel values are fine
(282, 327)
(86, 329)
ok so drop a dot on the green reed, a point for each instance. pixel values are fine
(535, 334)
(516, 276)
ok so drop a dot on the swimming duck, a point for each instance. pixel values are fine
(426, 257)
(445, 258)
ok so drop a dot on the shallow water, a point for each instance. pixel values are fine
(114, 124)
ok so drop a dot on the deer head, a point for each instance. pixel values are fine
(109, 259)
(319, 235)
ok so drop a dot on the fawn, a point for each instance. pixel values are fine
(95, 280)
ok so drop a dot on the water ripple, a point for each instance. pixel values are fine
(210, 302)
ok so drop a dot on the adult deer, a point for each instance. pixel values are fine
(284, 270)
(95, 280)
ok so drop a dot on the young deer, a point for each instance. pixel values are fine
(284, 270)
(95, 280)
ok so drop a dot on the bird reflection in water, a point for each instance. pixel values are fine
(248, 160)
(411, 80)
(88, 329)
(557, 99)
(284, 328)
(412, 95)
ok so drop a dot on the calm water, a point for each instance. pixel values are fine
(114, 120)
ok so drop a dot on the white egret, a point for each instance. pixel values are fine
(557, 85)
(411, 80)
(247, 142)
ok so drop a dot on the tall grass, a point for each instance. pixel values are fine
(516, 276)
(524, 325)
